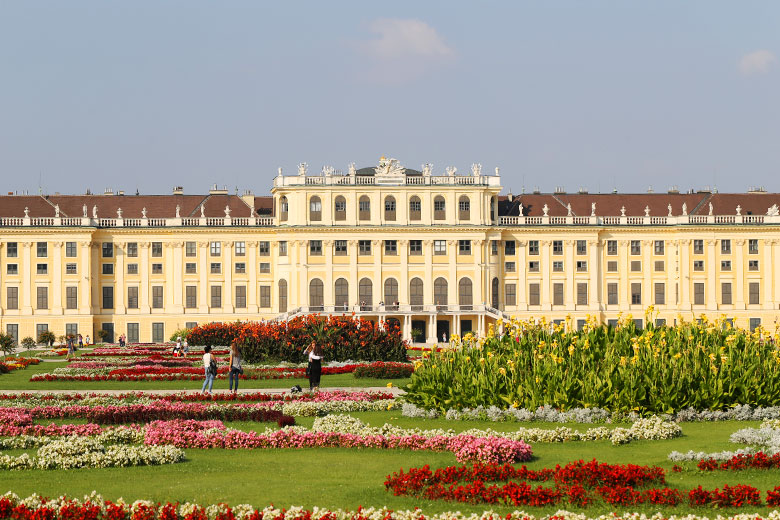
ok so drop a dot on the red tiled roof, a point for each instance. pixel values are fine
(751, 203)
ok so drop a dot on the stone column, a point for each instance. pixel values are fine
(569, 267)
(56, 289)
(143, 296)
(428, 280)
(624, 285)
(545, 268)
(328, 295)
(594, 271)
(253, 265)
(354, 295)
(521, 292)
(27, 289)
(227, 300)
(672, 271)
(85, 282)
(119, 290)
(452, 254)
(403, 284)
(177, 288)
(712, 269)
(203, 286)
(648, 292)
(767, 291)
(172, 283)
(685, 275)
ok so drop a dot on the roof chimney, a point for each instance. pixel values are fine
(178, 190)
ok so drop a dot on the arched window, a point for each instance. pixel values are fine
(464, 208)
(391, 294)
(342, 294)
(340, 208)
(416, 294)
(282, 295)
(439, 208)
(390, 208)
(315, 209)
(315, 295)
(283, 208)
(465, 298)
(440, 292)
(364, 208)
(494, 293)
(366, 294)
(415, 208)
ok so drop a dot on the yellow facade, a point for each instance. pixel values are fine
(436, 253)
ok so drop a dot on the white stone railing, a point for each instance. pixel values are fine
(390, 310)
(370, 180)
(136, 222)
(639, 221)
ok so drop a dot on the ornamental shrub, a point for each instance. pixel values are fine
(28, 343)
(341, 337)
(46, 338)
(7, 344)
(382, 370)
(180, 333)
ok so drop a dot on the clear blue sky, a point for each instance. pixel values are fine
(151, 94)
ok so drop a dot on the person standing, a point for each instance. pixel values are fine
(210, 369)
(86, 341)
(235, 366)
(315, 366)
(81, 341)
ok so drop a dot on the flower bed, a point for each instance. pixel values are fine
(758, 460)
(384, 370)
(18, 363)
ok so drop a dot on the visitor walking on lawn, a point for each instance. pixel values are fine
(235, 366)
(315, 366)
(210, 368)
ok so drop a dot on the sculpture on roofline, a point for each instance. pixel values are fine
(450, 170)
(227, 211)
(685, 209)
(739, 209)
(352, 170)
(84, 211)
(476, 169)
(143, 212)
(56, 210)
(118, 212)
(302, 169)
(622, 211)
(774, 211)
(521, 209)
(568, 209)
(426, 169)
(710, 213)
(669, 207)
(545, 209)
(94, 211)
(26, 212)
(178, 211)
(647, 211)
(592, 209)
(202, 211)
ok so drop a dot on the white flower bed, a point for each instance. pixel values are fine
(653, 428)
(765, 438)
(319, 408)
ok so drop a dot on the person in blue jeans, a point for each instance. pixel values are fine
(208, 359)
(235, 366)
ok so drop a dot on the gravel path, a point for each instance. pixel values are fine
(393, 390)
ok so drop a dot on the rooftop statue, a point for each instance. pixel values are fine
(84, 211)
(94, 211)
(545, 209)
(592, 209)
(118, 212)
(143, 212)
(476, 169)
(302, 167)
(56, 210)
(774, 211)
(623, 211)
(227, 211)
(389, 167)
(451, 170)
(426, 169)
(669, 208)
(685, 209)
(178, 211)
(710, 213)
(26, 212)
(739, 209)
(647, 211)
(202, 211)
(352, 170)
(568, 209)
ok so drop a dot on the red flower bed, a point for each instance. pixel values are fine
(341, 337)
(578, 483)
(384, 370)
(759, 460)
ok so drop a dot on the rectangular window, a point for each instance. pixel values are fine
(509, 267)
(133, 335)
(240, 267)
(698, 293)
(415, 247)
(533, 266)
(265, 297)
(315, 247)
(636, 247)
(240, 248)
(557, 266)
(108, 268)
(216, 268)
(157, 297)
(39, 329)
(636, 293)
(264, 248)
(557, 294)
(132, 297)
(240, 296)
(391, 247)
(215, 248)
(752, 265)
(341, 206)
(509, 247)
(42, 268)
(190, 324)
(439, 247)
(612, 247)
(659, 265)
(12, 269)
(557, 247)
(282, 248)
(191, 296)
(132, 268)
(698, 265)
(12, 249)
(132, 249)
(753, 246)
(660, 293)
(70, 269)
(191, 249)
(42, 249)
(157, 249)
(265, 267)
(725, 293)
(464, 247)
(72, 329)
(612, 266)
(636, 266)
(725, 247)
(157, 269)
(158, 332)
(725, 265)
(108, 249)
(364, 247)
(191, 268)
(493, 247)
(582, 247)
(70, 249)
(533, 294)
(533, 247)
(42, 297)
(582, 294)
(340, 247)
(364, 206)
(71, 298)
(698, 247)
(753, 293)
(216, 296)
(612, 294)
(510, 294)
(108, 297)
(582, 266)
(12, 298)
(754, 323)
(658, 247)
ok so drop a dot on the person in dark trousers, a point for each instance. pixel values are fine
(235, 366)
(315, 366)
(209, 368)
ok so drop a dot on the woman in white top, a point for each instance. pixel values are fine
(235, 366)
(210, 371)
(315, 366)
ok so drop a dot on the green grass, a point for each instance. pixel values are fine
(347, 478)
(20, 380)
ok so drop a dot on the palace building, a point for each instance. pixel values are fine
(438, 253)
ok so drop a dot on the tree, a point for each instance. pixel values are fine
(46, 337)
(103, 335)
(7, 344)
(28, 343)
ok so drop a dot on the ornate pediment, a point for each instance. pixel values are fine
(389, 168)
